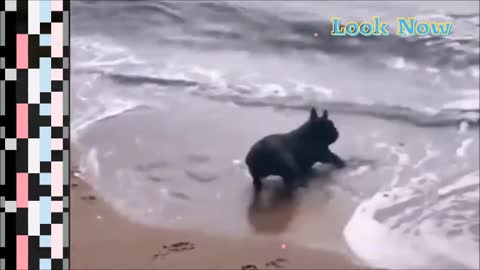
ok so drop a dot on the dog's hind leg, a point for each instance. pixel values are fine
(254, 172)
(257, 183)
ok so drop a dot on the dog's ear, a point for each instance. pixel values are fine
(313, 114)
(325, 115)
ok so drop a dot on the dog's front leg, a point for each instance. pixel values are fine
(290, 172)
(336, 160)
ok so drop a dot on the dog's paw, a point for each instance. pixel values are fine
(174, 248)
(341, 165)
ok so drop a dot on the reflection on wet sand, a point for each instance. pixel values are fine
(272, 213)
(274, 209)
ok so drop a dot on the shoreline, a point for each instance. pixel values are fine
(153, 186)
(102, 239)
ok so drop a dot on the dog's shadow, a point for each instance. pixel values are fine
(272, 210)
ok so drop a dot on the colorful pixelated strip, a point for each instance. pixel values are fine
(34, 134)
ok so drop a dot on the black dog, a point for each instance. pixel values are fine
(291, 155)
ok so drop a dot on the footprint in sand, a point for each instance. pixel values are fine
(180, 195)
(197, 158)
(199, 170)
(175, 247)
(88, 198)
(180, 246)
(156, 179)
(277, 263)
(201, 176)
(151, 170)
(152, 166)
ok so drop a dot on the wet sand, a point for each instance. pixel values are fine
(181, 168)
(102, 239)
(148, 176)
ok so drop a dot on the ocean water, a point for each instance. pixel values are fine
(153, 78)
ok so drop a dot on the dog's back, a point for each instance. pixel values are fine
(261, 158)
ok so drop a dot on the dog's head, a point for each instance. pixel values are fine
(321, 129)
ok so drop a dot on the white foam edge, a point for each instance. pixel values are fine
(78, 126)
(464, 181)
(89, 164)
(454, 249)
(373, 242)
(463, 104)
(378, 246)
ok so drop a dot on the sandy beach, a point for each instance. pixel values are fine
(102, 239)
